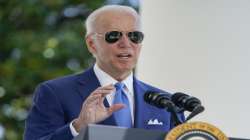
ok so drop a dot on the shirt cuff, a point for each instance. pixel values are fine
(73, 130)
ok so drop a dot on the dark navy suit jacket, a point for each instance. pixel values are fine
(57, 102)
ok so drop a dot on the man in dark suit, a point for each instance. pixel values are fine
(61, 107)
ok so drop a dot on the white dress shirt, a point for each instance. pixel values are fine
(106, 79)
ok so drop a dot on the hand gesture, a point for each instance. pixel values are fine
(93, 109)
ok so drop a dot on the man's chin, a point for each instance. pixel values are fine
(124, 67)
(125, 70)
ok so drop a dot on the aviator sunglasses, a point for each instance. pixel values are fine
(113, 36)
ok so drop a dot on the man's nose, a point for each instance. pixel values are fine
(124, 41)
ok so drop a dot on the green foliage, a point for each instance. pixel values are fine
(37, 42)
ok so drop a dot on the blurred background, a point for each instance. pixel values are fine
(202, 49)
(204, 45)
(39, 40)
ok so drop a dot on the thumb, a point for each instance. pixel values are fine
(115, 108)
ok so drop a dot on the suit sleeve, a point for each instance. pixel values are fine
(46, 118)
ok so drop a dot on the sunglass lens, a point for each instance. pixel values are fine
(136, 36)
(113, 36)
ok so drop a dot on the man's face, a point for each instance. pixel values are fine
(120, 57)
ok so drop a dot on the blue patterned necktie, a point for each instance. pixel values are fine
(123, 116)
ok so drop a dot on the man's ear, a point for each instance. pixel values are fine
(91, 45)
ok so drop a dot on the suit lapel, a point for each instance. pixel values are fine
(140, 105)
(144, 113)
(88, 82)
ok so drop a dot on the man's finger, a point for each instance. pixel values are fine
(110, 86)
(115, 108)
(92, 98)
(103, 92)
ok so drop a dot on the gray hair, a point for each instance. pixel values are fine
(92, 18)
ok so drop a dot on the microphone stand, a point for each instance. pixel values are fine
(174, 117)
(170, 107)
(198, 109)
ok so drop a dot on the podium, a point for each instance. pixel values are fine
(105, 132)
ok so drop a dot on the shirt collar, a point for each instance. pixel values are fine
(106, 79)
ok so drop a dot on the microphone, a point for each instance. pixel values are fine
(158, 100)
(185, 101)
(161, 100)
(188, 103)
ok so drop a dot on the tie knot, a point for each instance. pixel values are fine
(119, 85)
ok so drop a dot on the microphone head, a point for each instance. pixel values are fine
(149, 96)
(185, 101)
(178, 98)
(159, 100)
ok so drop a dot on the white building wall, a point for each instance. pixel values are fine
(202, 48)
